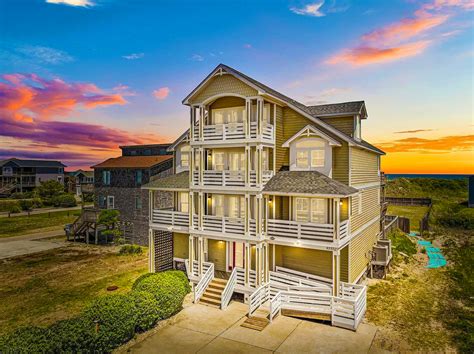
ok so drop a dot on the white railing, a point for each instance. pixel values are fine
(241, 277)
(300, 278)
(258, 298)
(307, 301)
(275, 306)
(225, 224)
(203, 283)
(170, 218)
(228, 178)
(344, 228)
(300, 230)
(349, 308)
(229, 289)
(232, 131)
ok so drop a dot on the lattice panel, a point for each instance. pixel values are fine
(163, 241)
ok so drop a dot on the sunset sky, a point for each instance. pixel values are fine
(80, 77)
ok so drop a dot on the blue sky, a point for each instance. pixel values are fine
(417, 74)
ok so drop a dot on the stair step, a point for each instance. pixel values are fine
(219, 280)
(212, 295)
(211, 302)
(217, 287)
(256, 323)
(214, 290)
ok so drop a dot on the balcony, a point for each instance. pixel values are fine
(287, 230)
(170, 220)
(227, 178)
(227, 226)
(232, 131)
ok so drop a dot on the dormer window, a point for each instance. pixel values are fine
(185, 156)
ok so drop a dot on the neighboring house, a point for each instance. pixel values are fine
(18, 175)
(274, 196)
(80, 181)
(118, 181)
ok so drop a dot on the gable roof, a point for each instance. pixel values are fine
(33, 163)
(311, 130)
(182, 137)
(297, 106)
(133, 161)
(306, 183)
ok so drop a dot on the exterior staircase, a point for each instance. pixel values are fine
(213, 294)
(258, 321)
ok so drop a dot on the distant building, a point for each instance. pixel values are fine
(118, 181)
(80, 181)
(471, 191)
(24, 175)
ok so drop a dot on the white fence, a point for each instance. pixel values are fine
(170, 218)
(275, 306)
(305, 230)
(258, 298)
(228, 178)
(229, 289)
(225, 224)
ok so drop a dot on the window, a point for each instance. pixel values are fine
(236, 206)
(357, 129)
(311, 210)
(265, 160)
(218, 205)
(102, 201)
(138, 202)
(185, 151)
(310, 153)
(110, 202)
(236, 161)
(228, 115)
(138, 177)
(8, 171)
(106, 177)
(184, 202)
(219, 162)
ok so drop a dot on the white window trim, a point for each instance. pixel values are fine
(112, 198)
(309, 212)
(231, 109)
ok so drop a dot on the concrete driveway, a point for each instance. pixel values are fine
(202, 329)
(28, 244)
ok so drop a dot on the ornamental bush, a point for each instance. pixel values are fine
(169, 289)
(27, 340)
(73, 335)
(64, 200)
(116, 317)
(146, 310)
(130, 249)
(26, 204)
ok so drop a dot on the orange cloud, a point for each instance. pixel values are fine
(161, 93)
(399, 40)
(430, 146)
(370, 55)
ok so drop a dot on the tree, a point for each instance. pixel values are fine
(49, 190)
(110, 218)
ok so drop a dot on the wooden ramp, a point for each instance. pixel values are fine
(258, 321)
(213, 294)
(306, 314)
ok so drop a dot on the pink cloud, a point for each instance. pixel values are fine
(28, 104)
(161, 93)
(400, 39)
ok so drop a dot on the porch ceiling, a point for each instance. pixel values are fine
(307, 182)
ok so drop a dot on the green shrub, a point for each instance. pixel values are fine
(402, 243)
(73, 335)
(27, 340)
(88, 197)
(130, 249)
(7, 204)
(455, 215)
(26, 204)
(146, 310)
(116, 315)
(15, 209)
(64, 201)
(169, 289)
(49, 190)
(37, 203)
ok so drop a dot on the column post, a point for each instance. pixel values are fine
(151, 250)
(191, 254)
(247, 215)
(192, 115)
(201, 122)
(200, 209)
(336, 273)
(200, 254)
(337, 213)
(191, 210)
(247, 263)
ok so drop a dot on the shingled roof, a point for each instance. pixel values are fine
(332, 109)
(179, 181)
(133, 161)
(306, 182)
(33, 163)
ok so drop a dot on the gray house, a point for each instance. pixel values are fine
(24, 175)
(118, 181)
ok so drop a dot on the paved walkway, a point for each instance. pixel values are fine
(28, 244)
(202, 329)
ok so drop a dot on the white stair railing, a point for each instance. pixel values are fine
(258, 298)
(229, 289)
(203, 283)
(275, 306)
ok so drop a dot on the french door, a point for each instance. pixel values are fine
(236, 255)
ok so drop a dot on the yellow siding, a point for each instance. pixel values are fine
(344, 124)
(230, 101)
(370, 208)
(340, 163)
(216, 254)
(180, 245)
(363, 166)
(344, 263)
(279, 140)
(311, 261)
(359, 250)
(223, 84)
